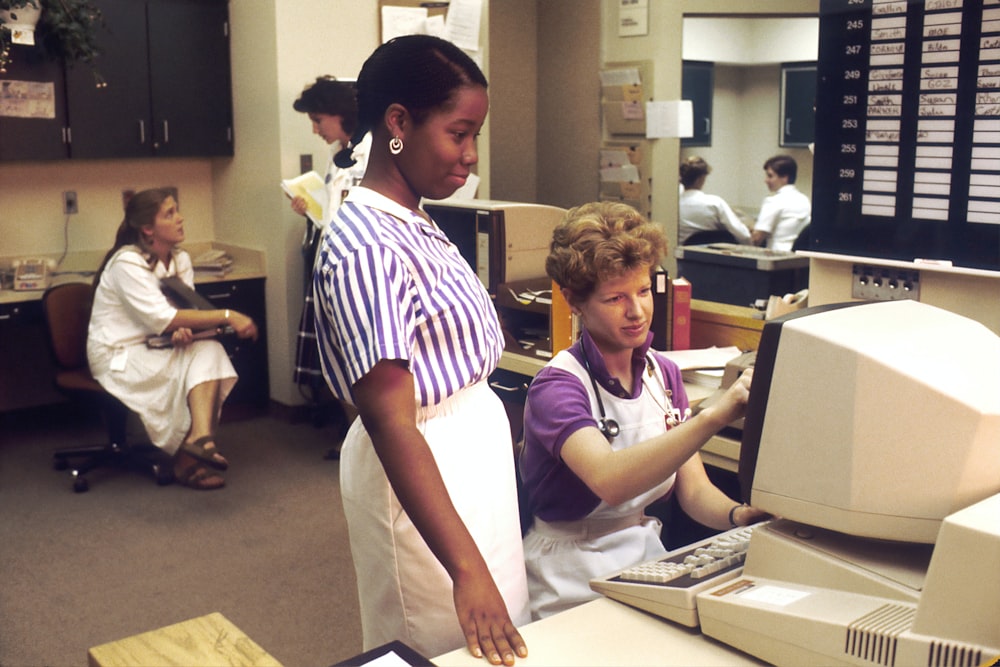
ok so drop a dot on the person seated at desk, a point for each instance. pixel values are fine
(702, 212)
(606, 428)
(786, 212)
(178, 391)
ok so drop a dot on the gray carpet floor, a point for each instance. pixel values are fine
(269, 552)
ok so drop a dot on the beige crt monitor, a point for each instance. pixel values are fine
(873, 431)
(503, 241)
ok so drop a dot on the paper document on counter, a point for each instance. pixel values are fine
(311, 187)
(703, 359)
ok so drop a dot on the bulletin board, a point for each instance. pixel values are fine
(433, 8)
(907, 155)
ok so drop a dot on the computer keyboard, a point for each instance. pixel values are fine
(669, 586)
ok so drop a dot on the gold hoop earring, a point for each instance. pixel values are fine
(395, 145)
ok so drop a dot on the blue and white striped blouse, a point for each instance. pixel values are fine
(388, 284)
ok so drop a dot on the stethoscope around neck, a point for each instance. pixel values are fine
(610, 427)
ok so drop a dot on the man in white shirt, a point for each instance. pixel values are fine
(786, 212)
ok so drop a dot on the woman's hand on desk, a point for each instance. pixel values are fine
(485, 622)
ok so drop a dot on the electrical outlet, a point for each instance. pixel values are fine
(70, 203)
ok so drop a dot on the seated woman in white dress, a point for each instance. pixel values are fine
(178, 391)
(703, 212)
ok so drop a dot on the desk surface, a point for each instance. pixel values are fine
(80, 267)
(605, 632)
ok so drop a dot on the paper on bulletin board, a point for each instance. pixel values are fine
(458, 21)
(462, 24)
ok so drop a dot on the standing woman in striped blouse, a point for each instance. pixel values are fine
(409, 336)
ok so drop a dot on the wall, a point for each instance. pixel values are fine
(513, 79)
(569, 91)
(663, 44)
(279, 47)
(276, 52)
(748, 52)
(31, 209)
(745, 132)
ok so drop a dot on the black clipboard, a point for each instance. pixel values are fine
(409, 655)
(183, 296)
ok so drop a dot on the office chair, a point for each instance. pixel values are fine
(712, 236)
(66, 309)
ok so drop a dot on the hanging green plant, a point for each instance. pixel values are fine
(67, 29)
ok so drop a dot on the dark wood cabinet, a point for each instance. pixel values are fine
(26, 364)
(168, 92)
(249, 357)
(33, 97)
(190, 78)
(697, 85)
(798, 103)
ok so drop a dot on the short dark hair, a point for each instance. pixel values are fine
(332, 97)
(783, 165)
(420, 72)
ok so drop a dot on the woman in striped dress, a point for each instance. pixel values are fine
(408, 335)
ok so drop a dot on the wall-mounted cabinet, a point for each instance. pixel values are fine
(798, 103)
(168, 94)
(32, 107)
(697, 84)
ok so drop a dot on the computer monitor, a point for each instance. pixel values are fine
(873, 434)
(503, 241)
(873, 419)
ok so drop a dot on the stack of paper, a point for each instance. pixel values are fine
(213, 262)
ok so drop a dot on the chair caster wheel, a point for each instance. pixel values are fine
(80, 485)
(163, 474)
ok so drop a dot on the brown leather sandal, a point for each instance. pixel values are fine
(200, 450)
(199, 477)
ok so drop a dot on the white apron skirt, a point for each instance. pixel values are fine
(405, 593)
(564, 556)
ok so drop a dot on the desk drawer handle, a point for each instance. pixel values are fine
(497, 385)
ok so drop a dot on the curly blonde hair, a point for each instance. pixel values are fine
(601, 240)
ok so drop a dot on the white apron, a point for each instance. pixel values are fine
(562, 557)
(404, 591)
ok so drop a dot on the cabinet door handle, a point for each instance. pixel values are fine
(166, 132)
(708, 126)
(501, 387)
(142, 132)
(788, 126)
